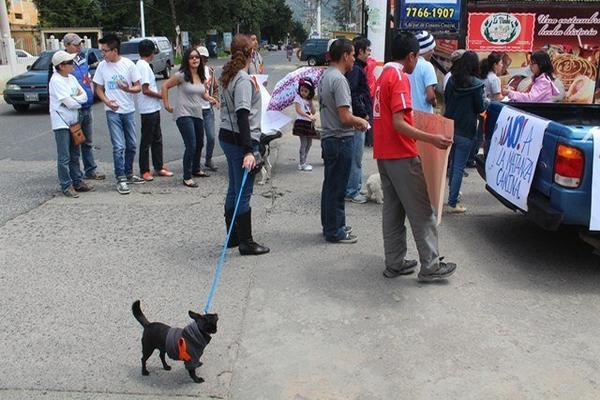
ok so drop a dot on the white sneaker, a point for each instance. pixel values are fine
(458, 209)
(300, 167)
(307, 168)
(123, 188)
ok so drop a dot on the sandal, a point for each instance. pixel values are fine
(201, 174)
(190, 184)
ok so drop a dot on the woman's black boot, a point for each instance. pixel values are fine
(234, 240)
(247, 245)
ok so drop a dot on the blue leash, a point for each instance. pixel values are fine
(221, 262)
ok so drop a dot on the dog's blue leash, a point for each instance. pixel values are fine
(221, 262)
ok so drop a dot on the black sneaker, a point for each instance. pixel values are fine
(443, 271)
(135, 180)
(408, 267)
(349, 239)
(348, 229)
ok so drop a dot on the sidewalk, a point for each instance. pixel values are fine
(309, 321)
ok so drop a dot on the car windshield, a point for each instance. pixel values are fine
(129, 48)
(42, 63)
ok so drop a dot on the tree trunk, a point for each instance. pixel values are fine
(174, 19)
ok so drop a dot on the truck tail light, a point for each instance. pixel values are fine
(568, 166)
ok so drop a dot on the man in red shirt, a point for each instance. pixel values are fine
(402, 180)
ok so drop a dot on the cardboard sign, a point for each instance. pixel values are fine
(500, 32)
(434, 160)
(595, 212)
(513, 155)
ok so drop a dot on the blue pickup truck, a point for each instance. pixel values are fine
(561, 190)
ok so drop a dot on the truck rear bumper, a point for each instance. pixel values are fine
(539, 210)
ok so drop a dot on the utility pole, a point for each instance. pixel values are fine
(142, 21)
(8, 44)
(319, 17)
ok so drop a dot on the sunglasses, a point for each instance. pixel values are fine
(67, 63)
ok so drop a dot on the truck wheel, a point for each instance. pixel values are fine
(167, 72)
(312, 61)
(21, 107)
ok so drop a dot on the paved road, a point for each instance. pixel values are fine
(309, 321)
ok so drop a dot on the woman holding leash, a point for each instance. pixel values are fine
(239, 137)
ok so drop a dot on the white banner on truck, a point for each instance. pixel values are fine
(595, 212)
(513, 155)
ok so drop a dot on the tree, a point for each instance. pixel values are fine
(277, 21)
(298, 32)
(271, 18)
(343, 13)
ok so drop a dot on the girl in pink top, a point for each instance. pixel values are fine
(543, 89)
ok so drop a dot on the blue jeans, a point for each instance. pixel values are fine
(235, 158)
(478, 140)
(67, 161)
(461, 149)
(209, 130)
(337, 156)
(355, 179)
(192, 132)
(123, 138)
(87, 155)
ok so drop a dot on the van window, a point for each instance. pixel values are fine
(92, 58)
(164, 45)
(129, 48)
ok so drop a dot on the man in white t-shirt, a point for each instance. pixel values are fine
(148, 102)
(117, 80)
(423, 79)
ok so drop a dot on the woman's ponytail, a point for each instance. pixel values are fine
(241, 51)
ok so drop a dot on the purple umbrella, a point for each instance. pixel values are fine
(286, 89)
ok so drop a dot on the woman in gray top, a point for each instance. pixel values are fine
(239, 137)
(191, 92)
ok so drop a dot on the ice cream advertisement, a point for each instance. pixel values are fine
(570, 35)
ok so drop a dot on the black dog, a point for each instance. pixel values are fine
(185, 344)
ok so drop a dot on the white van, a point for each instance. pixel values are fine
(163, 54)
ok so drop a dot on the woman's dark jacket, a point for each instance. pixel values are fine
(463, 105)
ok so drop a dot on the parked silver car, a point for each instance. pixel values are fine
(163, 54)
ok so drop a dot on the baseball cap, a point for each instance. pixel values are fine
(456, 55)
(426, 42)
(71, 38)
(203, 51)
(62, 56)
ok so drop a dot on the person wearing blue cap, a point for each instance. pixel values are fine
(423, 79)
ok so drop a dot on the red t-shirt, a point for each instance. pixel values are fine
(392, 95)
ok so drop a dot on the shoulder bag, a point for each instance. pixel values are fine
(77, 136)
